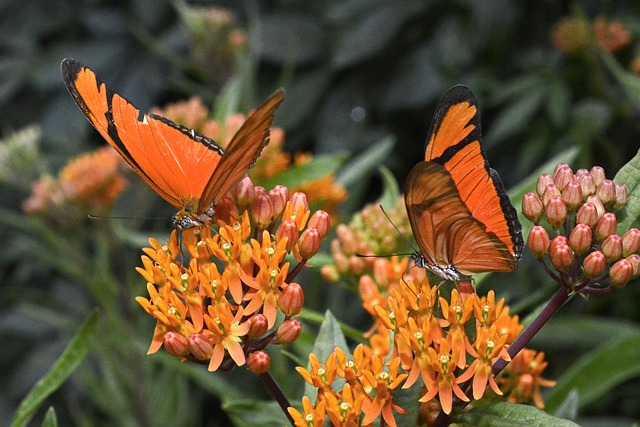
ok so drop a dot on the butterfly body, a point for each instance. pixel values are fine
(187, 169)
(459, 212)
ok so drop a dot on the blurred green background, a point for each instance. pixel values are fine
(355, 73)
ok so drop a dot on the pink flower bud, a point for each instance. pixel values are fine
(594, 264)
(291, 299)
(330, 273)
(630, 242)
(598, 204)
(562, 176)
(634, 259)
(556, 211)
(538, 241)
(532, 207)
(587, 215)
(259, 362)
(260, 190)
(288, 331)
(279, 196)
(262, 211)
(621, 273)
(200, 347)
(598, 175)
(320, 221)
(309, 243)
(175, 344)
(298, 199)
(289, 229)
(606, 226)
(606, 191)
(258, 325)
(550, 191)
(587, 184)
(561, 255)
(622, 195)
(543, 180)
(572, 195)
(612, 248)
(245, 194)
(347, 239)
(581, 238)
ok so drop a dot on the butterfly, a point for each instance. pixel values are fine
(458, 209)
(187, 169)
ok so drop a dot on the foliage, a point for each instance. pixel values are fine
(360, 75)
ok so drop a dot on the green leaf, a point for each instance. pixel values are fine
(515, 116)
(390, 189)
(50, 419)
(66, 364)
(504, 414)
(629, 174)
(366, 162)
(317, 168)
(250, 413)
(598, 372)
(630, 82)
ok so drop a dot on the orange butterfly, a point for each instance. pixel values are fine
(189, 170)
(459, 212)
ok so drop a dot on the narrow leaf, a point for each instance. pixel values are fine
(504, 414)
(629, 174)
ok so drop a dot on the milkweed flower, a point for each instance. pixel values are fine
(80, 184)
(228, 284)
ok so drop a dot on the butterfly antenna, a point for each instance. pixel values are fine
(397, 229)
(91, 216)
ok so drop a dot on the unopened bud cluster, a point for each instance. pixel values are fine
(585, 246)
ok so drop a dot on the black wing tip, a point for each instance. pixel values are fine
(70, 69)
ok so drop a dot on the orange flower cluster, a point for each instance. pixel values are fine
(446, 346)
(221, 307)
(586, 248)
(575, 34)
(369, 233)
(80, 184)
(273, 161)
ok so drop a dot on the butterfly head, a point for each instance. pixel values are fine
(447, 273)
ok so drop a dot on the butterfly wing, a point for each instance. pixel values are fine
(242, 152)
(455, 142)
(445, 231)
(174, 160)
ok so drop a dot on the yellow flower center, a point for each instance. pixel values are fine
(184, 281)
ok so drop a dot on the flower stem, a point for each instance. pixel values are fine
(560, 297)
(277, 393)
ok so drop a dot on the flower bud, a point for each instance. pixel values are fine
(291, 299)
(581, 238)
(330, 273)
(622, 195)
(543, 180)
(288, 331)
(357, 265)
(299, 199)
(634, 259)
(262, 211)
(538, 241)
(289, 229)
(259, 362)
(621, 273)
(598, 204)
(532, 207)
(594, 264)
(347, 239)
(606, 226)
(279, 196)
(612, 248)
(245, 194)
(556, 211)
(550, 191)
(320, 221)
(225, 210)
(587, 215)
(572, 195)
(260, 190)
(258, 325)
(200, 347)
(598, 174)
(466, 290)
(580, 172)
(175, 344)
(606, 191)
(562, 175)
(587, 184)
(309, 243)
(630, 242)
(560, 254)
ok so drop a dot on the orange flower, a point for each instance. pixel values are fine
(383, 382)
(611, 35)
(320, 376)
(311, 417)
